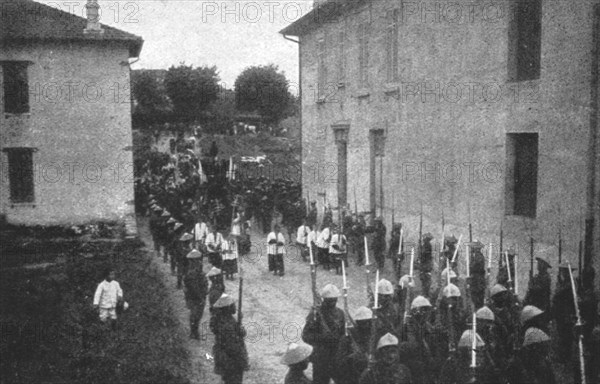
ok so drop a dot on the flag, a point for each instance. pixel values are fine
(201, 173)
(230, 170)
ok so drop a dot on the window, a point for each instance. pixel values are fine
(391, 48)
(341, 56)
(521, 175)
(363, 55)
(321, 70)
(341, 139)
(16, 87)
(525, 40)
(20, 174)
(376, 174)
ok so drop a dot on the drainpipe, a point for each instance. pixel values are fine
(300, 99)
(593, 155)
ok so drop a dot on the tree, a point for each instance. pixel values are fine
(222, 112)
(191, 90)
(151, 102)
(264, 90)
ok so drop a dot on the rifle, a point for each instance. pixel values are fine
(349, 322)
(451, 346)
(530, 258)
(578, 326)
(355, 203)
(474, 349)
(468, 277)
(374, 320)
(470, 226)
(559, 245)
(456, 249)
(580, 250)
(421, 233)
(240, 289)
(407, 297)
(400, 250)
(367, 270)
(393, 209)
(500, 249)
(443, 247)
(381, 182)
(313, 278)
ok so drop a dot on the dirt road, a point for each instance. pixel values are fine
(274, 310)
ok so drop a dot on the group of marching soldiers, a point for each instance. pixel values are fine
(470, 329)
(186, 247)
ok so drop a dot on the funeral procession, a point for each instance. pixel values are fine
(300, 191)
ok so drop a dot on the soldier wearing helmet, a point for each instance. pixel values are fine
(426, 263)
(323, 330)
(297, 359)
(229, 350)
(388, 313)
(387, 367)
(538, 292)
(352, 356)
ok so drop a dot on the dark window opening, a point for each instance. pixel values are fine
(16, 87)
(376, 172)
(20, 174)
(521, 175)
(525, 40)
(363, 55)
(392, 45)
(341, 139)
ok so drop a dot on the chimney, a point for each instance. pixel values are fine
(93, 17)
(318, 3)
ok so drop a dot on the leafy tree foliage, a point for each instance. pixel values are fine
(264, 90)
(151, 102)
(191, 90)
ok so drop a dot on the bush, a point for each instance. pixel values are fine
(54, 335)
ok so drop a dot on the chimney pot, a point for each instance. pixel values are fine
(93, 17)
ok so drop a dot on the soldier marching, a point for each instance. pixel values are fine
(442, 319)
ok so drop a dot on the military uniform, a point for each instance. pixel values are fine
(353, 352)
(426, 265)
(323, 331)
(357, 241)
(296, 357)
(217, 286)
(229, 350)
(181, 261)
(393, 251)
(196, 289)
(477, 281)
(538, 292)
(378, 244)
(563, 312)
(296, 377)
(388, 314)
(387, 368)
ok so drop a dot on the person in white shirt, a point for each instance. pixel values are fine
(276, 250)
(236, 226)
(337, 249)
(213, 242)
(107, 296)
(230, 256)
(200, 232)
(302, 239)
(323, 248)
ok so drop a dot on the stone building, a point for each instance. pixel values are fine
(65, 116)
(487, 111)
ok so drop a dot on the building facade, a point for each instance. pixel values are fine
(480, 112)
(65, 117)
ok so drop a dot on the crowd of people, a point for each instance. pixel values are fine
(471, 328)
